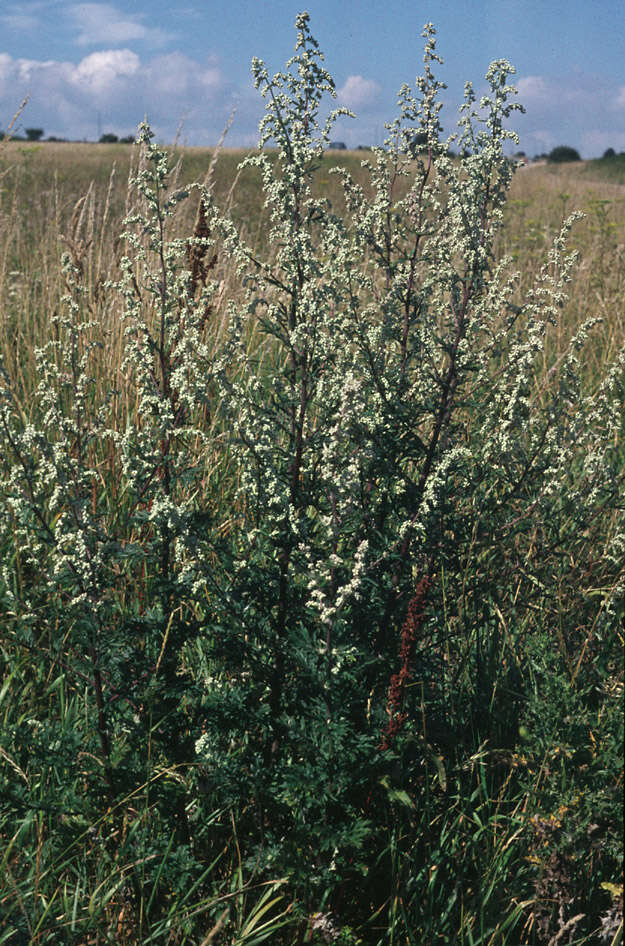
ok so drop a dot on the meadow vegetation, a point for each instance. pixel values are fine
(312, 535)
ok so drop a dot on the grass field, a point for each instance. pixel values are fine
(57, 195)
(500, 821)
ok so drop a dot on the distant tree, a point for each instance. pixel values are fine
(34, 134)
(609, 153)
(127, 140)
(563, 153)
(108, 138)
(419, 143)
(337, 146)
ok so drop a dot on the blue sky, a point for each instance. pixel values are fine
(97, 67)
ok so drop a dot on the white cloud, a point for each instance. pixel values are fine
(358, 92)
(575, 109)
(532, 88)
(102, 69)
(112, 90)
(177, 74)
(103, 23)
(23, 17)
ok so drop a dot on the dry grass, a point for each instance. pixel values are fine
(541, 199)
(57, 197)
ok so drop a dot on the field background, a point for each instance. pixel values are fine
(56, 197)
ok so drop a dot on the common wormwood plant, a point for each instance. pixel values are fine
(395, 430)
(104, 578)
(303, 579)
